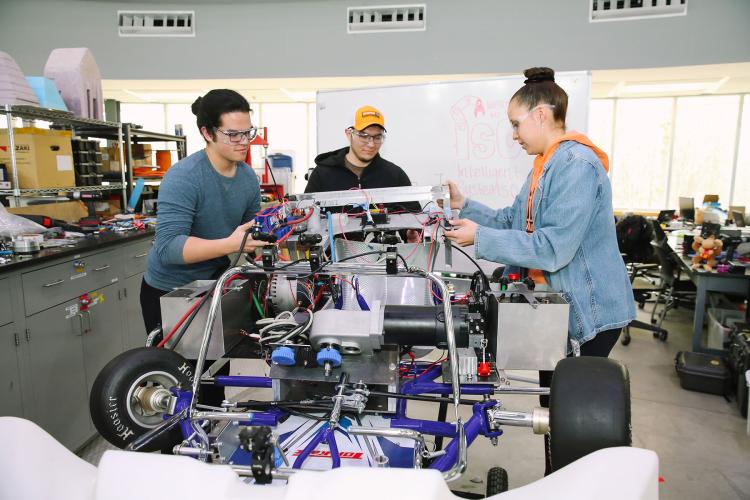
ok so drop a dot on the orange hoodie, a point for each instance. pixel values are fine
(541, 160)
(536, 174)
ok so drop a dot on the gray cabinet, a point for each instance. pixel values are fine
(134, 332)
(10, 379)
(102, 337)
(58, 379)
(52, 347)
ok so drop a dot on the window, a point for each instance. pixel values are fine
(704, 145)
(181, 114)
(287, 133)
(742, 176)
(664, 148)
(640, 159)
(601, 118)
(149, 116)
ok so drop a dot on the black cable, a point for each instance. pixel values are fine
(189, 320)
(416, 397)
(273, 178)
(486, 280)
(242, 247)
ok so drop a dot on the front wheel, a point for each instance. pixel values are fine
(129, 395)
(589, 408)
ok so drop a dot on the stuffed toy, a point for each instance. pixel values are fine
(706, 249)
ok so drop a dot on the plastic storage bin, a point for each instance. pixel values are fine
(278, 160)
(720, 322)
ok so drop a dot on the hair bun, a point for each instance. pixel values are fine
(196, 107)
(538, 75)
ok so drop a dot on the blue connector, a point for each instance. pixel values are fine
(283, 356)
(329, 355)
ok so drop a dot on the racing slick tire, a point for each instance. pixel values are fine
(114, 401)
(589, 408)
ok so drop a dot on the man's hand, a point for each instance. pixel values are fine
(234, 240)
(457, 199)
(463, 233)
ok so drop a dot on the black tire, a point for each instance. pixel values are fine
(497, 481)
(589, 408)
(115, 413)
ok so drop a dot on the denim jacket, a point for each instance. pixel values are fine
(573, 242)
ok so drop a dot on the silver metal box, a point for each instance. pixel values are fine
(233, 314)
(529, 338)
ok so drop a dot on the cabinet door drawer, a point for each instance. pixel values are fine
(6, 308)
(135, 256)
(53, 285)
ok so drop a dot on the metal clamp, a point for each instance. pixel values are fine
(527, 294)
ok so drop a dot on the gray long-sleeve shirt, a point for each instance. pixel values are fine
(195, 200)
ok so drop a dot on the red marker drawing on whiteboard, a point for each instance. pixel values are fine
(478, 108)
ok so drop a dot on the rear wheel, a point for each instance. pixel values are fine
(130, 394)
(497, 481)
(589, 408)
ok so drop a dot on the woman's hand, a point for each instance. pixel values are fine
(457, 199)
(234, 240)
(464, 231)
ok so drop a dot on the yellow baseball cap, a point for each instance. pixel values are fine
(366, 116)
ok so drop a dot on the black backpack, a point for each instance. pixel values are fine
(634, 235)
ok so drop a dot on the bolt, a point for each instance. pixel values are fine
(493, 441)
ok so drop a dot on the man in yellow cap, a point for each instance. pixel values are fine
(359, 165)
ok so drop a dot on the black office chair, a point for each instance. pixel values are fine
(634, 236)
(676, 288)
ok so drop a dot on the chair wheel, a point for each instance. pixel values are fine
(663, 335)
(625, 341)
(656, 335)
(653, 321)
(641, 305)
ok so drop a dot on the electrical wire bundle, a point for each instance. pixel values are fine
(284, 328)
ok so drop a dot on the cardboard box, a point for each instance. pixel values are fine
(111, 159)
(141, 152)
(70, 211)
(44, 158)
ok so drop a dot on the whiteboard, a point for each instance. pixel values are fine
(450, 130)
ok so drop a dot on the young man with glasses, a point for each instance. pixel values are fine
(358, 165)
(206, 203)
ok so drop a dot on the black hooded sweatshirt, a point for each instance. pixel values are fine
(331, 174)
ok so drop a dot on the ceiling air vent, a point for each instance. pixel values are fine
(385, 18)
(156, 23)
(620, 10)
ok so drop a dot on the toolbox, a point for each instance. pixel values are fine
(739, 362)
(703, 372)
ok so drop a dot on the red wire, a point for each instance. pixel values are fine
(190, 310)
(179, 323)
(317, 297)
(426, 369)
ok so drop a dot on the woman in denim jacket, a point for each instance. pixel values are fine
(560, 226)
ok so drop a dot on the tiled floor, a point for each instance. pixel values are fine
(703, 450)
